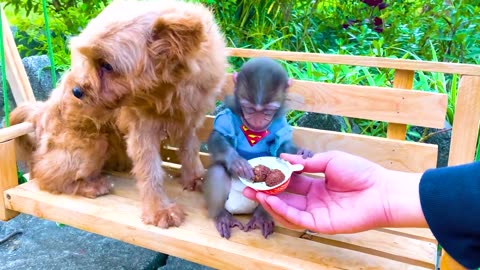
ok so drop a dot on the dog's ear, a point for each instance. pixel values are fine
(176, 37)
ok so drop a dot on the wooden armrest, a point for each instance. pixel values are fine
(15, 131)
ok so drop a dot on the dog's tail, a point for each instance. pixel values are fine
(26, 112)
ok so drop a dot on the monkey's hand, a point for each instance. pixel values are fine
(240, 167)
(305, 153)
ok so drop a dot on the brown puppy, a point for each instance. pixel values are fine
(71, 143)
(154, 69)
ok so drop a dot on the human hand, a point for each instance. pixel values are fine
(353, 197)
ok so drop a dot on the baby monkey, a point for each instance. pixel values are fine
(252, 125)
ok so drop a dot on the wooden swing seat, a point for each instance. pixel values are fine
(117, 215)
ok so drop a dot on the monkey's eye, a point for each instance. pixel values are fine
(106, 66)
(248, 110)
(269, 112)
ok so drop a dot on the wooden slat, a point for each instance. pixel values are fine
(8, 176)
(464, 137)
(393, 154)
(466, 121)
(16, 74)
(417, 233)
(15, 131)
(396, 105)
(396, 247)
(366, 61)
(117, 216)
(448, 263)
(402, 79)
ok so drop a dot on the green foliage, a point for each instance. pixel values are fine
(21, 177)
(436, 30)
(477, 155)
(66, 18)
(349, 27)
(56, 6)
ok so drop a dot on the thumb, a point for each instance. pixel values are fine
(316, 164)
(250, 193)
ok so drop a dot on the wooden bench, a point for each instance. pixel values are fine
(117, 215)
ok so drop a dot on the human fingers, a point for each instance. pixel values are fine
(316, 164)
(294, 200)
(261, 198)
(250, 193)
(292, 216)
(318, 221)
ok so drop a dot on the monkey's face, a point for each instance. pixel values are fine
(260, 91)
(258, 117)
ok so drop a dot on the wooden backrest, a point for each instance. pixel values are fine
(397, 105)
(16, 74)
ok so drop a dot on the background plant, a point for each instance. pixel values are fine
(66, 18)
(435, 30)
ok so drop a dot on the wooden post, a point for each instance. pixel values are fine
(8, 176)
(22, 91)
(448, 263)
(466, 121)
(464, 137)
(16, 74)
(402, 79)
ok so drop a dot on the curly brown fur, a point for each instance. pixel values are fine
(70, 144)
(143, 73)
(26, 112)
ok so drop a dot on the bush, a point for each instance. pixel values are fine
(66, 18)
(436, 30)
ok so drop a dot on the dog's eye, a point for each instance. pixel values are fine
(106, 66)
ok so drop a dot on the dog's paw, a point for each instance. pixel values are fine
(193, 185)
(170, 216)
(93, 188)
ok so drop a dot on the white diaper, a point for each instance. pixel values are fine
(236, 202)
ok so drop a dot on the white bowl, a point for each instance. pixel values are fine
(272, 163)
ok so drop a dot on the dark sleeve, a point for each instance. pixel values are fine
(450, 199)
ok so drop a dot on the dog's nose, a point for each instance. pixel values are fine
(77, 92)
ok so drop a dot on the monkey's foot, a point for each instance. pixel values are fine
(169, 216)
(93, 187)
(261, 221)
(224, 222)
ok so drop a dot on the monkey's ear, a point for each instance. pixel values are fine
(176, 37)
(231, 102)
(289, 82)
(234, 76)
